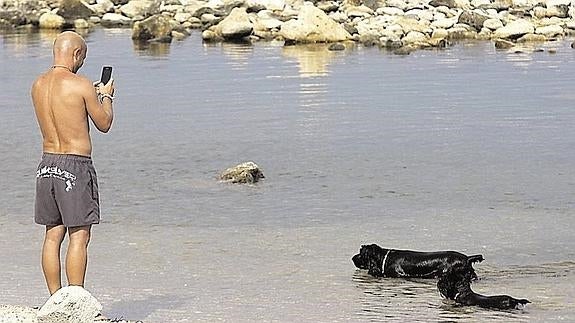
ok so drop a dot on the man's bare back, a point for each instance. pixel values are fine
(63, 101)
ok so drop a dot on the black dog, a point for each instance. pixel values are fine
(455, 284)
(382, 262)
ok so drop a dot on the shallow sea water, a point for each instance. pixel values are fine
(468, 149)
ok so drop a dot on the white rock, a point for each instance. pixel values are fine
(20, 314)
(410, 24)
(550, 31)
(115, 19)
(414, 37)
(313, 25)
(492, 23)
(139, 8)
(439, 15)
(359, 11)
(515, 28)
(173, 8)
(439, 33)
(81, 24)
(182, 17)
(50, 20)
(397, 3)
(447, 12)
(463, 4)
(479, 3)
(338, 16)
(273, 5)
(553, 3)
(72, 304)
(539, 12)
(444, 23)
(214, 4)
(102, 6)
(391, 11)
(236, 25)
(550, 21)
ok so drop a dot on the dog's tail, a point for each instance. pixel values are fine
(474, 258)
(521, 303)
(524, 301)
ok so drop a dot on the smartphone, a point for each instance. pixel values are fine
(106, 74)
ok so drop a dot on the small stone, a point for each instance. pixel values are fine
(503, 44)
(336, 47)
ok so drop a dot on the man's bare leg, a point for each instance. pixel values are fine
(77, 256)
(51, 256)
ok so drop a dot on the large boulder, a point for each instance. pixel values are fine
(72, 304)
(236, 25)
(473, 19)
(156, 27)
(514, 29)
(140, 8)
(111, 20)
(313, 25)
(50, 20)
(73, 9)
(248, 172)
(550, 31)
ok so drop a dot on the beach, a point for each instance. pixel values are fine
(467, 149)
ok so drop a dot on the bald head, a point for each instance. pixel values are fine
(70, 50)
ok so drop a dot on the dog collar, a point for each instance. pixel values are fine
(384, 259)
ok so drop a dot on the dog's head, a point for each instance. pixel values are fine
(456, 280)
(370, 257)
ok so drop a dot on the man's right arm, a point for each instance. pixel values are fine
(102, 114)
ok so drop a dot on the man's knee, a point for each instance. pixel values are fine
(55, 234)
(79, 235)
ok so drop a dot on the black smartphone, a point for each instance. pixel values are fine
(106, 74)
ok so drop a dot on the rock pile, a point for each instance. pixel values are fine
(406, 24)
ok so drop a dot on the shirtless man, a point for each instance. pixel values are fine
(66, 186)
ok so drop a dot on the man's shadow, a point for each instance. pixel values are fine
(135, 310)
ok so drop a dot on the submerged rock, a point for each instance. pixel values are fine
(248, 172)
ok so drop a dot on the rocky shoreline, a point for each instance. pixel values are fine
(400, 25)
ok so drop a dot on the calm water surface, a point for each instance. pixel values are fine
(466, 149)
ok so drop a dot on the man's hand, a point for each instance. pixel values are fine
(105, 88)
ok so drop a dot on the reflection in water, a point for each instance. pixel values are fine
(417, 300)
(239, 54)
(154, 49)
(19, 43)
(312, 101)
(313, 59)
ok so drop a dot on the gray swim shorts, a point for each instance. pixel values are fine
(66, 191)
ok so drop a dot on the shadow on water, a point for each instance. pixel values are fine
(140, 309)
